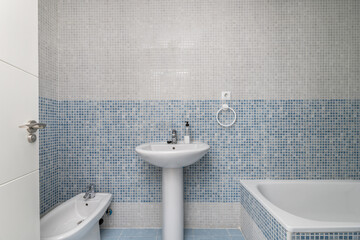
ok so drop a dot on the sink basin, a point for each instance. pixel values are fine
(172, 158)
(172, 155)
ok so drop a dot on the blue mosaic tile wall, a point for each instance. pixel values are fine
(282, 139)
(48, 154)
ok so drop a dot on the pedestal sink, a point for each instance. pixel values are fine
(172, 158)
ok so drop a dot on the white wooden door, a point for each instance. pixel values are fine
(19, 159)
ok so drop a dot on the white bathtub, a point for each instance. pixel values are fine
(310, 206)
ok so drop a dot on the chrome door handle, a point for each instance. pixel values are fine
(32, 126)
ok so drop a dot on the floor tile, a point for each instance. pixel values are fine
(136, 238)
(110, 238)
(209, 232)
(237, 237)
(140, 233)
(155, 234)
(234, 232)
(110, 234)
(209, 238)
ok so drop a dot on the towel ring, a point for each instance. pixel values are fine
(225, 107)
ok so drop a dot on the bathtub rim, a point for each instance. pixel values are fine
(291, 222)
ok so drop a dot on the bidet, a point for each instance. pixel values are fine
(75, 219)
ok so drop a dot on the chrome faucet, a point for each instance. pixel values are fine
(90, 193)
(173, 137)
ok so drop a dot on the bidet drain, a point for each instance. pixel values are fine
(78, 223)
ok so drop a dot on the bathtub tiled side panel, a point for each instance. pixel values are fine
(249, 229)
(271, 229)
(327, 236)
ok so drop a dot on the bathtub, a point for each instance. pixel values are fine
(309, 206)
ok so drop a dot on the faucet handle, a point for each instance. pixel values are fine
(91, 187)
(173, 131)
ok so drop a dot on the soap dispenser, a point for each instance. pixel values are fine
(187, 133)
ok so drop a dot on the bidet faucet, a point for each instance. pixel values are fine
(90, 193)
(173, 137)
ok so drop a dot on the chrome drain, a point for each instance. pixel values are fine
(79, 222)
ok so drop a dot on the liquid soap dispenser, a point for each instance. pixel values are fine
(187, 133)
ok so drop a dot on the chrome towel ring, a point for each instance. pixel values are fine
(225, 107)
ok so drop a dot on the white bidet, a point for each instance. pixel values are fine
(75, 219)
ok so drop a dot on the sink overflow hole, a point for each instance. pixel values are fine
(173, 148)
(80, 222)
(86, 204)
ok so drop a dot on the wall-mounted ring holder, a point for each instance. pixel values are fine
(225, 107)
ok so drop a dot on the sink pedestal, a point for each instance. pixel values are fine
(172, 158)
(173, 204)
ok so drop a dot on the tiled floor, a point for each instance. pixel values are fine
(155, 234)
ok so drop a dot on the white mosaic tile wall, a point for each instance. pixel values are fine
(197, 215)
(48, 49)
(186, 49)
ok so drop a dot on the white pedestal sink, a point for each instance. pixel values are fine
(172, 158)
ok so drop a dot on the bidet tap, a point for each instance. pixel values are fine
(173, 137)
(90, 193)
